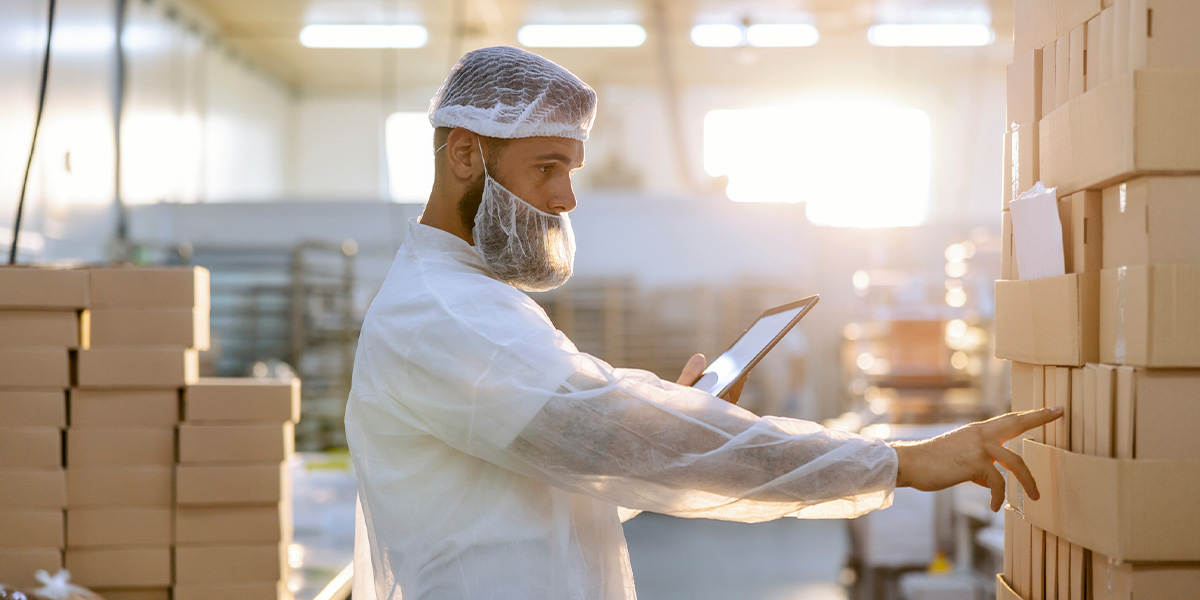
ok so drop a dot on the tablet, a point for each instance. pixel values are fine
(733, 364)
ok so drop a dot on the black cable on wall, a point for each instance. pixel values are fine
(37, 123)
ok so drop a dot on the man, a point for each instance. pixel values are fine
(492, 455)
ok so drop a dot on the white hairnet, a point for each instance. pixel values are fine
(506, 92)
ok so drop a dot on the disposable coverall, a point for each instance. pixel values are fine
(492, 455)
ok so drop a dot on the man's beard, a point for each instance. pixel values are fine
(524, 247)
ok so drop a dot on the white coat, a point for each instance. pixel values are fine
(492, 455)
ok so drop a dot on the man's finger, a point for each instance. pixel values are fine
(692, 370)
(735, 392)
(996, 482)
(1009, 426)
(1014, 463)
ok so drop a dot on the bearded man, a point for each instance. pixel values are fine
(494, 459)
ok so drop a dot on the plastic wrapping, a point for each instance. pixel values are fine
(59, 587)
(492, 455)
(506, 92)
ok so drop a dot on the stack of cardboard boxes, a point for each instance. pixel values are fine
(110, 356)
(1104, 108)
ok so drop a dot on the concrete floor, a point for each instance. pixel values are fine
(696, 559)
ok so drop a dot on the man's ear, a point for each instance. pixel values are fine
(462, 154)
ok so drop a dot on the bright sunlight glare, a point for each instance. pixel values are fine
(409, 143)
(856, 163)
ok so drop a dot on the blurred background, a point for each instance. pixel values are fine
(746, 153)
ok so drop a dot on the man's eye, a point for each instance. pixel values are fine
(546, 168)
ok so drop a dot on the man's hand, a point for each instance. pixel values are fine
(969, 453)
(695, 366)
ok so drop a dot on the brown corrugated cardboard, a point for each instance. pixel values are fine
(1092, 62)
(1048, 397)
(1133, 581)
(33, 408)
(1008, 259)
(1051, 564)
(1049, 77)
(101, 527)
(1084, 248)
(1142, 122)
(124, 408)
(1076, 84)
(270, 523)
(182, 328)
(1062, 70)
(1010, 526)
(1091, 376)
(1027, 392)
(31, 528)
(242, 399)
(1059, 328)
(137, 367)
(1079, 570)
(1123, 412)
(252, 442)
(1105, 405)
(1069, 14)
(1039, 401)
(18, 565)
(1163, 35)
(30, 448)
(230, 564)
(231, 591)
(26, 328)
(1034, 25)
(35, 368)
(120, 567)
(1126, 509)
(1077, 415)
(1025, 88)
(1106, 46)
(1005, 591)
(104, 487)
(1151, 220)
(1064, 569)
(1037, 590)
(120, 447)
(147, 287)
(1148, 316)
(42, 287)
(40, 488)
(1021, 164)
(206, 485)
(1062, 398)
(135, 594)
(1023, 561)
(1157, 413)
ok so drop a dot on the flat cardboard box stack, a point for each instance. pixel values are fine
(233, 521)
(43, 316)
(1109, 89)
(147, 325)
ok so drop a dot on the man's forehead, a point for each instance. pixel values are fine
(548, 148)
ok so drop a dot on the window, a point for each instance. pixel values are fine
(855, 163)
(408, 138)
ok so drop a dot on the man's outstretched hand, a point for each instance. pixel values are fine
(695, 366)
(969, 453)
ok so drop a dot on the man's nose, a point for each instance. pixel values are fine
(564, 202)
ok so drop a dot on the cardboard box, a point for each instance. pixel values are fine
(1079, 571)
(1022, 562)
(124, 487)
(1122, 14)
(230, 591)
(1049, 78)
(1034, 25)
(1004, 591)
(1152, 220)
(218, 399)
(253, 442)
(18, 565)
(1104, 407)
(1064, 569)
(1143, 122)
(230, 564)
(1156, 413)
(208, 485)
(124, 447)
(1062, 397)
(35, 368)
(1127, 509)
(31, 448)
(120, 567)
(25, 328)
(149, 287)
(1132, 581)
(1008, 257)
(1037, 590)
(1092, 61)
(1076, 84)
(180, 328)
(24, 286)
(124, 408)
(1025, 88)
(1010, 526)
(1083, 239)
(33, 408)
(40, 488)
(1048, 397)
(31, 528)
(1051, 578)
(1021, 164)
(1062, 70)
(1163, 34)
(101, 527)
(1106, 45)
(137, 367)
(1077, 416)
(270, 523)
(1148, 316)
(1070, 14)
(134, 593)
(1050, 321)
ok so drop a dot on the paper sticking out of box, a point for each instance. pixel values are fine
(1037, 234)
(43, 287)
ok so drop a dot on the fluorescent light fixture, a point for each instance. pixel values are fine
(717, 36)
(931, 35)
(782, 35)
(363, 36)
(582, 36)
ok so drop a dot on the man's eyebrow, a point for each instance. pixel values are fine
(558, 156)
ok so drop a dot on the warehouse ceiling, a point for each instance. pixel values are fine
(268, 33)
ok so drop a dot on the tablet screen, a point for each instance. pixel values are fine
(751, 346)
